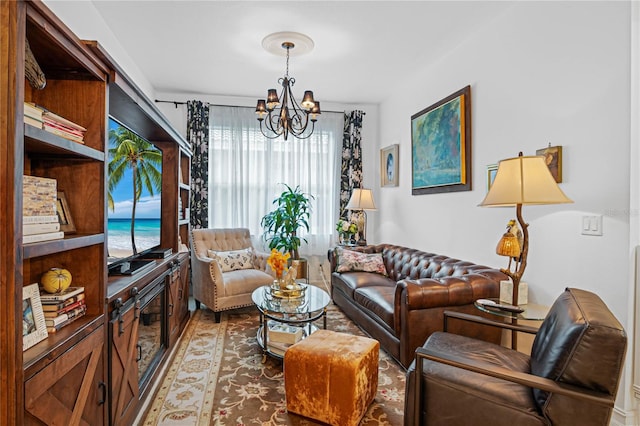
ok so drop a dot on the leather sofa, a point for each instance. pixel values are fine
(402, 309)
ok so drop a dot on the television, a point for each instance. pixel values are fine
(133, 205)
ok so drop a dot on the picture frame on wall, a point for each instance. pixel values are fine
(34, 328)
(441, 145)
(492, 170)
(389, 165)
(553, 158)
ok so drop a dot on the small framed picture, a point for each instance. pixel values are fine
(492, 170)
(64, 214)
(389, 165)
(553, 157)
(34, 328)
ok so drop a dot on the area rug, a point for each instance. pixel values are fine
(218, 377)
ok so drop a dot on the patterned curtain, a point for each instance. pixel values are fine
(351, 170)
(198, 137)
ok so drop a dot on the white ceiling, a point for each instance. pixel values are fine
(362, 48)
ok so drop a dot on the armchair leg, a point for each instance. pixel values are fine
(197, 304)
(217, 315)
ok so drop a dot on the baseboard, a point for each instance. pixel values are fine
(621, 417)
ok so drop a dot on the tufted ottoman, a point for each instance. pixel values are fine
(331, 377)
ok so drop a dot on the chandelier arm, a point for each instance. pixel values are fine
(274, 136)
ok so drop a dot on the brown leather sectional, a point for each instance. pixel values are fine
(404, 308)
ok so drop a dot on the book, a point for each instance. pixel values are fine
(33, 122)
(56, 305)
(62, 133)
(39, 196)
(33, 111)
(50, 313)
(59, 297)
(28, 220)
(52, 117)
(283, 333)
(52, 322)
(40, 228)
(38, 238)
(278, 348)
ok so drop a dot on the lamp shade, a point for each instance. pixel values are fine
(361, 199)
(508, 246)
(524, 180)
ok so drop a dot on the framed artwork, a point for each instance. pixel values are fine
(64, 214)
(553, 157)
(441, 145)
(492, 170)
(34, 328)
(389, 165)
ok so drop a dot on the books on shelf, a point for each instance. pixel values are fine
(283, 333)
(70, 317)
(55, 308)
(39, 238)
(48, 298)
(30, 220)
(53, 123)
(278, 348)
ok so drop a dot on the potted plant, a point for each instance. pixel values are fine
(281, 225)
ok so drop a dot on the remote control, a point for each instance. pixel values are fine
(502, 306)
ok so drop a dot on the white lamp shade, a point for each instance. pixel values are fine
(524, 180)
(361, 199)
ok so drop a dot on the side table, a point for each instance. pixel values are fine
(532, 314)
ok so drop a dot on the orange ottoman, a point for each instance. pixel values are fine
(331, 377)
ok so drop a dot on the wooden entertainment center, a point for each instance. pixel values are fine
(98, 369)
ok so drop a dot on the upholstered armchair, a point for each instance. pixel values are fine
(226, 268)
(571, 377)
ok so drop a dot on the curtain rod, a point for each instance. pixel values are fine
(176, 103)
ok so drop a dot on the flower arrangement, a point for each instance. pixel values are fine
(345, 227)
(278, 262)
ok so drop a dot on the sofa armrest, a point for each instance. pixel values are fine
(491, 370)
(206, 280)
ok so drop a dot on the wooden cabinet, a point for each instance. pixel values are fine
(89, 371)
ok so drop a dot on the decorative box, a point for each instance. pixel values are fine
(506, 292)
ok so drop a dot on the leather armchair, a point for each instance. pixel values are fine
(571, 377)
(219, 290)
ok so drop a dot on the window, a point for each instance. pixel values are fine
(247, 170)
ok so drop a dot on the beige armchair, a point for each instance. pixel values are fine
(226, 268)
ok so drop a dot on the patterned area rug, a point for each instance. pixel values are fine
(218, 378)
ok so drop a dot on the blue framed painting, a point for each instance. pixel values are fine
(441, 145)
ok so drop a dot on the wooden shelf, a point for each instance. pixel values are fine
(69, 242)
(38, 141)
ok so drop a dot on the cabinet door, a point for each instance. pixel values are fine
(174, 303)
(183, 294)
(123, 330)
(71, 389)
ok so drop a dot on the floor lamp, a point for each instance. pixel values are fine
(521, 181)
(362, 200)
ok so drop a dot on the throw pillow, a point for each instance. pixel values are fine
(352, 261)
(233, 260)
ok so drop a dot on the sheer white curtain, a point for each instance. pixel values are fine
(247, 170)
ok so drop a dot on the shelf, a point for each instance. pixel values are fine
(69, 242)
(183, 222)
(60, 341)
(40, 141)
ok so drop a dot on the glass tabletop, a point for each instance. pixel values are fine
(313, 300)
(532, 311)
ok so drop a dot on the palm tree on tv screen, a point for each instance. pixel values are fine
(129, 151)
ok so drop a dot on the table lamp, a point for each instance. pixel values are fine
(362, 200)
(521, 181)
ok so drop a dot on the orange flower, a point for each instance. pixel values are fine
(278, 262)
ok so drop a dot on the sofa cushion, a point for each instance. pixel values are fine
(378, 302)
(233, 260)
(349, 260)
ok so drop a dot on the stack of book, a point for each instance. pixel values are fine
(281, 336)
(32, 115)
(56, 124)
(61, 309)
(39, 213)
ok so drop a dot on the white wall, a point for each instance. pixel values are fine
(542, 73)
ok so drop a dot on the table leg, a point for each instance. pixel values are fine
(324, 318)
(514, 334)
(265, 326)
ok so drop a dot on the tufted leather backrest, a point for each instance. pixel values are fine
(221, 239)
(581, 343)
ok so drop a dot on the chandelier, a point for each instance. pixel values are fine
(281, 116)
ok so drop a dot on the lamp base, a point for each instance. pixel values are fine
(362, 242)
(506, 293)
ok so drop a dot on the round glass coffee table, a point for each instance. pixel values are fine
(293, 317)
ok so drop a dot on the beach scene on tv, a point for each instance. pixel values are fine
(134, 193)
